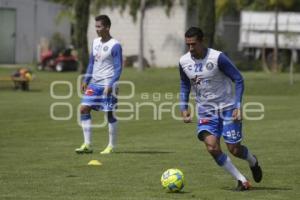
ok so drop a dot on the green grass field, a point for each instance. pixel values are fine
(37, 159)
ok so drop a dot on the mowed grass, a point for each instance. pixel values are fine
(37, 159)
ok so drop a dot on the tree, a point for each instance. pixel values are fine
(82, 15)
(141, 6)
(136, 7)
(80, 10)
(224, 6)
(141, 35)
(206, 17)
(276, 6)
(206, 10)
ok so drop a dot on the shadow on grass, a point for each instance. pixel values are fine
(181, 192)
(72, 176)
(35, 90)
(261, 188)
(186, 193)
(271, 188)
(143, 152)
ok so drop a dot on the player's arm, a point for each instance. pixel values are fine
(116, 53)
(89, 72)
(185, 88)
(228, 68)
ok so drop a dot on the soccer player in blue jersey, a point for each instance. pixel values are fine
(212, 76)
(99, 84)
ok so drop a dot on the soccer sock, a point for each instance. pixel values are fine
(86, 127)
(248, 156)
(112, 131)
(225, 162)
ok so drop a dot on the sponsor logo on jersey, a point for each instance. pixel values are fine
(204, 121)
(89, 92)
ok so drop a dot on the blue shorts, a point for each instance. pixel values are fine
(220, 124)
(94, 98)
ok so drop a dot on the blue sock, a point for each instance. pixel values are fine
(245, 153)
(85, 117)
(111, 119)
(248, 156)
(220, 160)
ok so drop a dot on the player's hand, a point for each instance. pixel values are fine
(186, 116)
(83, 87)
(236, 114)
(107, 90)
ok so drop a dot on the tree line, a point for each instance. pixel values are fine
(208, 12)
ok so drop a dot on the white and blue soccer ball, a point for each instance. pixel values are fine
(172, 180)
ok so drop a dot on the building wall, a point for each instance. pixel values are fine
(227, 32)
(257, 30)
(163, 35)
(34, 19)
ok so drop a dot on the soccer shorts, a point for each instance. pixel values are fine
(95, 98)
(220, 124)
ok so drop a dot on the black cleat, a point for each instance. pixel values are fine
(256, 172)
(243, 186)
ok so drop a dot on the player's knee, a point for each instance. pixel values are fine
(239, 151)
(214, 150)
(234, 150)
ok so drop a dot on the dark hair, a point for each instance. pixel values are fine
(194, 31)
(104, 19)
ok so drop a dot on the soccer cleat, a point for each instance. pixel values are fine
(256, 172)
(243, 186)
(85, 148)
(107, 150)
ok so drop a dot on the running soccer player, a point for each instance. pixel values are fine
(212, 75)
(104, 70)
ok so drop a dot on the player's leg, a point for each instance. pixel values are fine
(85, 117)
(213, 146)
(232, 133)
(91, 100)
(112, 132)
(242, 152)
(112, 129)
(86, 122)
(109, 106)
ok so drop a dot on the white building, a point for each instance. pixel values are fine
(163, 35)
(23, 23)
(257, 30)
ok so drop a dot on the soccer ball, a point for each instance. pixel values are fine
(172, 180)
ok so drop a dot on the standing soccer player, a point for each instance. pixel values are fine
(211, 74)
(104, 70)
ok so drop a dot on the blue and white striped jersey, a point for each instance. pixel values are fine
(212, 80)
(105, 64)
